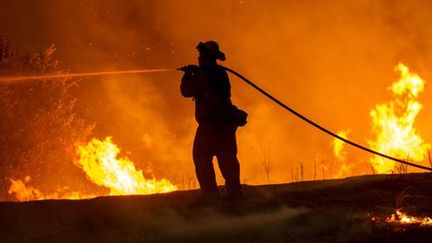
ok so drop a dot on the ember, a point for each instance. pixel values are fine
(403, 218)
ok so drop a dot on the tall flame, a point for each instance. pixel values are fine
(393, 123)
(99, 160)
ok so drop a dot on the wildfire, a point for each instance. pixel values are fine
(403, 218)
(99, 160)
(338, 146)
(23, 191)
(393, 123)
(341, 155)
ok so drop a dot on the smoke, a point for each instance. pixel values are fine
(241, 226)
(331, 61)
(279, 225)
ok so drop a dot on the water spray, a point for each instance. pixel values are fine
(75, 75)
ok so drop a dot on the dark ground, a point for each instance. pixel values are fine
(312, 211)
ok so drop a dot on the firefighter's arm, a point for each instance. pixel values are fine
(189, 86)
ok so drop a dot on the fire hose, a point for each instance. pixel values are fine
(323, 129)
(265, 93)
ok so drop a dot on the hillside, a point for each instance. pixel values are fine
(310, 211)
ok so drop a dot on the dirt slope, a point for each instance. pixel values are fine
(312, 211)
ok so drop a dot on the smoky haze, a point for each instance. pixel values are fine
(330, 60)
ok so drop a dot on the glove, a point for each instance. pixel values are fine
(188, 68)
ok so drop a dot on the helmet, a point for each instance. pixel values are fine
(211, 48)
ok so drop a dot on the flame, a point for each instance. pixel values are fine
(23, 191)
(341, 155)
(338, 146)
(393, 123)
(403, 218)
(99, 160)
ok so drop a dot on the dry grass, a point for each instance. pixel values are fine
(292, 214)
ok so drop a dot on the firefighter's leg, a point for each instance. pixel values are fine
(202, 157)
(228, 163)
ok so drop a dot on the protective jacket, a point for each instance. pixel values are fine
(211, 90)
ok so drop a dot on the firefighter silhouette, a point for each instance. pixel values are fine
(217, 118)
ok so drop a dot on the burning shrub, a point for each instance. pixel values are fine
(393, 124)
(39, 126)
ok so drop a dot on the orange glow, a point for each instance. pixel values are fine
(23, 191)
(393, 123)
(403, 218)
(99, 160)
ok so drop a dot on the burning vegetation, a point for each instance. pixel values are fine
(39, 126)
(400, 217)
(99, 160)
(80, 137)
(45, 122)
(393, 123)
(55, 122)
(340, 153)
(401, 221)
(44, 153)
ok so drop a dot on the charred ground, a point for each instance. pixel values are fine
(329, 211)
